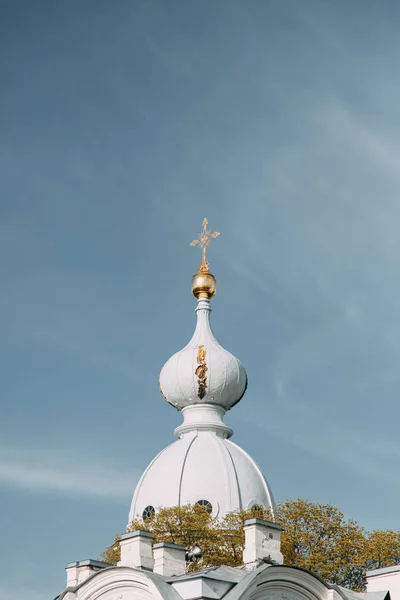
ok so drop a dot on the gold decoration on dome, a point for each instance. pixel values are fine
(201, 372)
(203, 283)
(205, 238)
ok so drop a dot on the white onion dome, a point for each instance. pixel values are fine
(203, 372)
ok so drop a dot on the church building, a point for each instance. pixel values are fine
(203, 381)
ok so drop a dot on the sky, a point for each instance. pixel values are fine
(122, 125)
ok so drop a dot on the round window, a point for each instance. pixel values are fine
(206, 504)
(148, 512)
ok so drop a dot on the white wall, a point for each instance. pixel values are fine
(385, 579)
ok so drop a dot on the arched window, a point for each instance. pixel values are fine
(206, 504)
(148, 512)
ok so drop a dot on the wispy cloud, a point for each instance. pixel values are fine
(52, 473)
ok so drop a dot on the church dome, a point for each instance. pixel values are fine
(203, 371)
(203, 381)
(205, 468)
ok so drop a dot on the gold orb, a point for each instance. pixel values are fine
(203, 285)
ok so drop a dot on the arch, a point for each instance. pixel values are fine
(115, 582)
(281, 582)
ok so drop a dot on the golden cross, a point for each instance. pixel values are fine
(205, 238)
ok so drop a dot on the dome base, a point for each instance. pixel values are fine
(203, 417)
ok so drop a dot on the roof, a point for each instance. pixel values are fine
(351, 595)
(383, 571)
(223, 573)
(202, 466)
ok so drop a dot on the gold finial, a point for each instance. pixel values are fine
(205, 238)
(203, 283)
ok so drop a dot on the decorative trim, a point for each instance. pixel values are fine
(201, 372)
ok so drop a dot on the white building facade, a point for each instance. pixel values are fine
(203, 381)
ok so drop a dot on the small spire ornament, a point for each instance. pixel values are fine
(203, 282)
(205, 237)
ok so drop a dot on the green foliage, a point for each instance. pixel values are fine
(315, 536)
(221, 541)
(112, 553)
(382, 549)
(318, 538)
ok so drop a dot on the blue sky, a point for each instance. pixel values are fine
(122, 125)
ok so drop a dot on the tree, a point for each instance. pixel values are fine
(315, 536)
(112, 554)
(318, 538)
(382, 549)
